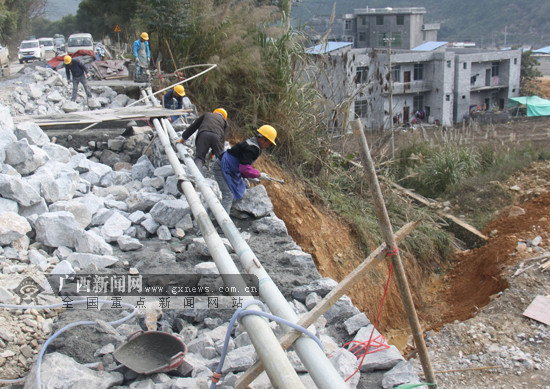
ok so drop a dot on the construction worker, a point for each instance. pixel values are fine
(235, 164)
(142, 55)
(212, 130)
(177, 94)
(79, 73)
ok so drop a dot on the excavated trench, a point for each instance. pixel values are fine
(472, 278)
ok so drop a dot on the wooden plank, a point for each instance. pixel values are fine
(464, 225)
(427, 202)
(99, 116)
(539, 309)
(334, 295)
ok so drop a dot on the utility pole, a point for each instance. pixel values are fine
(389, 40)
(505, 33)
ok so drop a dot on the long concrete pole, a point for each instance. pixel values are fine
(278, 367)
(385, 225)
(321, 370)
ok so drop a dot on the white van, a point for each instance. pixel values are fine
(83, 41)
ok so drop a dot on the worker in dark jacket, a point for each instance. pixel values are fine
(212, 131)
(235, 164)
(79, 73)
(175, 94)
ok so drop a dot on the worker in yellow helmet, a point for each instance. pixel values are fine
(79, 72)
(212, 130)
(142, 54)
(236, 164)
(173, 99)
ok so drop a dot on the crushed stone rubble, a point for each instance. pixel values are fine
(104, 209)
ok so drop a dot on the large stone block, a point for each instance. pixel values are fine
(12, 227)
(170, 212)
(32, 132)
(56, 229)
(14, 188)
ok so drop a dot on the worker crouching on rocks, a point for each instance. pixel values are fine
(79, 73)
(173, 99)
(212, 130)
(235, 164)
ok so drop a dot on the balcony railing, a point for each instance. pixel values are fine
(411, 87)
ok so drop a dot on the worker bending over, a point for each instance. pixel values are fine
(175, 94)
(235, 164)
(79, 73)
(212, 131)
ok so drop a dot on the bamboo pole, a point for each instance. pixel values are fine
(389, 238)
(322, 306)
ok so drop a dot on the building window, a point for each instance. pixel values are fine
(348, 25)
(382, 41)
(362, 36)
(465, 65)
(396, 73)
(396, 39)
(361, 108)
(424, 35)
(447, 97)
(361, 75)
(379, 20)
(400, 20)
(495, 69)
(418, 71)
(515, 61)
(350, 39)
(418, 103)
(448, 64)
(364, 20)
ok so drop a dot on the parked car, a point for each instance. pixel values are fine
(81, 41)
(31, 50)
(59, 44)
(4, 56)
(48, 44)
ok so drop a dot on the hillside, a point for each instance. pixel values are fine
(485, 22)
(56, 9)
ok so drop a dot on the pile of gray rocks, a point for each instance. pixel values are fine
(65, 212)
(44, 91)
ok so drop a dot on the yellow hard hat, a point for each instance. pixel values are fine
(222, 111)
(268, 132)
(67, 59)
(180, 90)
(145, 36)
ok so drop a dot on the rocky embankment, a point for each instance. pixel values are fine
(97, 211)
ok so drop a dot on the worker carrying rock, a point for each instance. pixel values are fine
(212, 130)
(173, 99)
(235, 164)
(142, 54)
(79, 74)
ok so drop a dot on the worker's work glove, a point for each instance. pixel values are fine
(263, 176)
(180, 140)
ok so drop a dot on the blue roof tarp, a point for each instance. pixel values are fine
(429, 46)
(536, 106)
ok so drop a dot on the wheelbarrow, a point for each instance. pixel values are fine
(148, 352)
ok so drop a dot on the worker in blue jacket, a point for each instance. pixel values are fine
(141, 54)
(79, 73)
(173, 99)
(236, 163)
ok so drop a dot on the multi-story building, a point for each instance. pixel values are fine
(430, 82)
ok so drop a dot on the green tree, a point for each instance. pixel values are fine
(529, 75)
(99, 17)
(16, 17)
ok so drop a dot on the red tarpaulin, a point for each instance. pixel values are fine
(55, 61)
